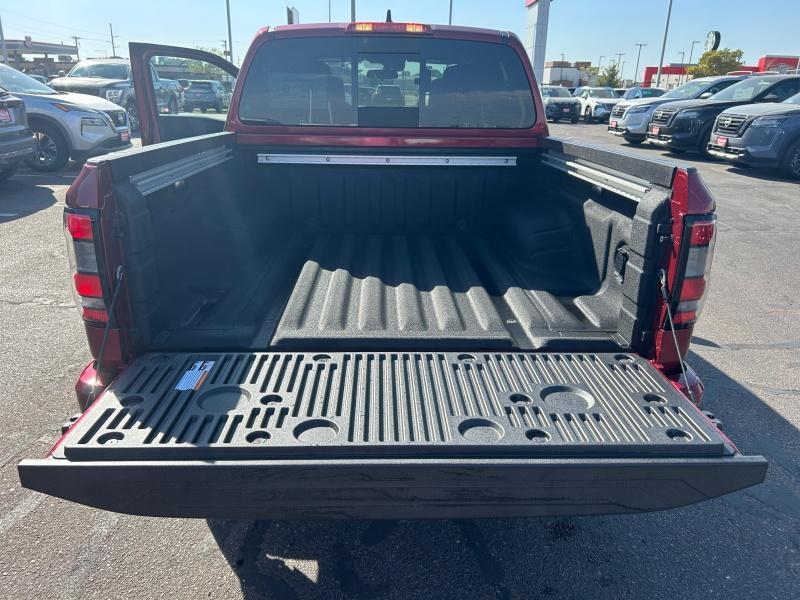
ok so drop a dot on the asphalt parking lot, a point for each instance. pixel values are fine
(745, 545)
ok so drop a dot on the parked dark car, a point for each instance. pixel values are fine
(16, 139)
(637, 93)
(111, 79)
(630, 118)
(560, 104)
(766, 135)
(687, 124)
(205, 94)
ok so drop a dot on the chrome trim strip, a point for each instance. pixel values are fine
(635, 190)
(152, 180)
(372, 159)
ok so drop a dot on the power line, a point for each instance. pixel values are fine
(54, 24)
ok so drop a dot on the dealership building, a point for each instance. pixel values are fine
(674, 75)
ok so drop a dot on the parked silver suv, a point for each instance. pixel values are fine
(66, 125)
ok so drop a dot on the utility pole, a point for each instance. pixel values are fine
(638, 56)
(113, 45)
(663, 45)
(450, 20)
(691, 52)
(622, 74)
(77, 47)
(353, 10)
(329, 11)
(230, 37)
(3, 42)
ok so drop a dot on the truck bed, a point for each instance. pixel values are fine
(442, 291)
(251, 256)
(400, 434)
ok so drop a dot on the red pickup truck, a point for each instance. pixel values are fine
(381, 290)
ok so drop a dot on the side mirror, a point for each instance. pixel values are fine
(705, 95)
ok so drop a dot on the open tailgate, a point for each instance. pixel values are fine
(390, 435)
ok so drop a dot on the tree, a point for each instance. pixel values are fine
(610, 77)
(717, 62)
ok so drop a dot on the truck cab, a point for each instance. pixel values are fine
(383, 305)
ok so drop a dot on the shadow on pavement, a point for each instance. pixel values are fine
(736, 546)
(20, 198)
(29, 191)
(761, 173)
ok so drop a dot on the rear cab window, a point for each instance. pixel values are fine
(387, 81)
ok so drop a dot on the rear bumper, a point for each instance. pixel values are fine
(192, 104)
(16, 149)
(390, 488)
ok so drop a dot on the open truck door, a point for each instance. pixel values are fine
(180, 92)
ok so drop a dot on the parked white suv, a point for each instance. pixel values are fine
(66, 125)
(597, 103)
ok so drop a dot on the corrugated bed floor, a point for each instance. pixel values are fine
(419, 287)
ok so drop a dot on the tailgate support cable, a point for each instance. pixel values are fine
(98, 363)
(662, 277)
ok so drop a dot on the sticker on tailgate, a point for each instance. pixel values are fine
(194, 377)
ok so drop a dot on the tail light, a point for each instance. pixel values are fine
(691, 284)
(390, 27)
(80, 228)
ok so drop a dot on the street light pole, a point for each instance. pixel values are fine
(683, 56)
(353, 10)
(638, 56)
(113, 46)
(230, 37)
(663, 45)
(3, 42)
(561, 77)
(450, 19)
(691, 52)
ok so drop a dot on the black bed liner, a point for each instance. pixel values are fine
(549, 418)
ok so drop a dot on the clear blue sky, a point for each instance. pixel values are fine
(581, 29)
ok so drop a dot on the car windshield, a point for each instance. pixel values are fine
(651, 92)
(387, 81)
(602, 93)
(100, 70)
(792, 99)
(687, 90)
(744, 90)
(200, 85)
(555, 92)
(12, 80)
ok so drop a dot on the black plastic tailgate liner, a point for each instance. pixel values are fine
(373, 405)
(390, 435)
